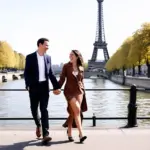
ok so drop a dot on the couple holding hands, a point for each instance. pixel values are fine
(37, 73)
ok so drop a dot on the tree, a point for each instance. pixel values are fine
(17, 60)
(135, 51)
(124, 50)
(111, 63)
(139, 46)
(146, 40)
(21, 61)
(6, 55)
(10, 58)
(86, 66)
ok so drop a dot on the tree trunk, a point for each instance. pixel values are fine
(148, 69)
(123, 69)
(133, 71)
(118, 71)
(123, 82)
(139, 69)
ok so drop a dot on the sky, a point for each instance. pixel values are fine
(69, 24)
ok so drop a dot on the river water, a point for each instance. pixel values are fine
(101, 103)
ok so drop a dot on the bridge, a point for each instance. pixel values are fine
(89, 74)
(97, 74)
(95, 69)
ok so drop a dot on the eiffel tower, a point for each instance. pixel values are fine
(100, 42)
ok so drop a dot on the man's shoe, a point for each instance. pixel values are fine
(38, 132)
(46, 139)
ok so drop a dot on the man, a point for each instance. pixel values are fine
(37, 73)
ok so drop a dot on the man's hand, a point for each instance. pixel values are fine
(57, 92)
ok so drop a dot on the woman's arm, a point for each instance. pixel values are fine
(62, 76)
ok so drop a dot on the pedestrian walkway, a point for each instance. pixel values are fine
(98, 139)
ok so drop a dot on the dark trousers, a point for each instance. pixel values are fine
(39, 95)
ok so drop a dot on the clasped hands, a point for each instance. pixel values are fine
(57, 92)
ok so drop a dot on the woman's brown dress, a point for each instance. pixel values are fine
(74, 86)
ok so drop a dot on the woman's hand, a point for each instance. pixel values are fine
(57, 92)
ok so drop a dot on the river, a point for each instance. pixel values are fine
(102, 103)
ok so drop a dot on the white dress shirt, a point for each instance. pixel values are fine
(41, 65)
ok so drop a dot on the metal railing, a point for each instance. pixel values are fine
(132, 107)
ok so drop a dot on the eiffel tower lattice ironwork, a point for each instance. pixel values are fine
(100, 42)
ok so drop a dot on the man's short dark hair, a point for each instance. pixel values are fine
(41, 41)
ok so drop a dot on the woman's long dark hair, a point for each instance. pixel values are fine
(80, 61)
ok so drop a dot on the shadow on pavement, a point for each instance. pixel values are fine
(22, 145)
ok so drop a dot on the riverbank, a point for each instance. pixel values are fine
(141, 82)
(4, 77)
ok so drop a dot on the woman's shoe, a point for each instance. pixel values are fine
(82, 139)
(70, 138)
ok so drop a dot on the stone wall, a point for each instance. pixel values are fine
(142, 82)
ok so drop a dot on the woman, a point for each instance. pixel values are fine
(73, 72)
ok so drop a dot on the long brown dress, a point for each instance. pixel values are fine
(74, 86)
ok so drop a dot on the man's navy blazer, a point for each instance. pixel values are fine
(31, 72)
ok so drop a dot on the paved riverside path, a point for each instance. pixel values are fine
(98, 139)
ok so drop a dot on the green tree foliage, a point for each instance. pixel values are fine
(21, 61)
(111, 63)
(10, 58)
(5, 55)
(122, 56)
(134, 51)
(137, 50)
(85, 66)
(146, 40)
(16, 59)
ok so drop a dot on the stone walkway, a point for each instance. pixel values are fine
(98, 139)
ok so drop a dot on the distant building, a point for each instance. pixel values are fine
(57, 68)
